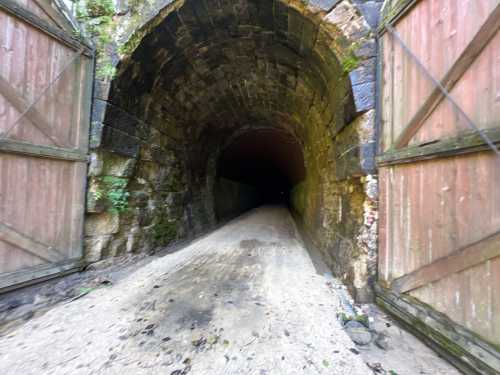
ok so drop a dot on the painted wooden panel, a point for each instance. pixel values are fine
(32, 61)
(432, 210)
(437, 32)
(469, 297)
(34, 7)
(45, 95)
(477, 93)
(37, 199)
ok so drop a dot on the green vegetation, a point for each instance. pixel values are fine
(362, 318)
(350, 60)
(113, 190)
(96, 16)
(164, 231)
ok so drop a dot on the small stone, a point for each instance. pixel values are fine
(358, 333)
(199, 342)
(382, 341)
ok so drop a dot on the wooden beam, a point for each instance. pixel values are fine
(54, 15)
(461, 347)
(464, 144)
(22, 278)
(17, 100)
(461, 65)
(22, 148)
(392, 11)
(467, 257)
(67, 39)
(29, 245)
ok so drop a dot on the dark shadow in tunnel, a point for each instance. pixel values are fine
(258, 167)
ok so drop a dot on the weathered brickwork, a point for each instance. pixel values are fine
(195, 73)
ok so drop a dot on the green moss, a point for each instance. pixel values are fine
(350, 63)
(349, 59)
(96, 16)
(164, 231)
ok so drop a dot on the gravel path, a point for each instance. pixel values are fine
(245, 299)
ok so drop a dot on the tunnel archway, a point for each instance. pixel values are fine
(250, 91)
(259, 166)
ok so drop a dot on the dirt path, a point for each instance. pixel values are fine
(246, 299)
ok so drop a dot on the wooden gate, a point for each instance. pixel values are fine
(439, 249)
(45, 95)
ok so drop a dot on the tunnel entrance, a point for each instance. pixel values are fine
(219, 106)
(258, 167)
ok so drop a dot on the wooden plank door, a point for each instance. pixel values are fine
(45, 95)
(439, 232)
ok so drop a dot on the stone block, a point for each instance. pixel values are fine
(101, 89)
(366, 48)
(119, 119)
(94, 247)
(94, 205)
(347, 18)
(364, 73)
(324, 5)
(355, 147)
(119, 142)
(95, 140)
(98, 110)
(102, 223)
(117, 165)
(134, 240)
(371, 11)
(95, 165)
(364, 96)
(367, 157)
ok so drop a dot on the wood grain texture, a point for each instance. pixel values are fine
(31, 18)
(23, 106)
(54, 15)
(463, 348)
(9, 281)
(29, 149)
(467, 257)
(471, 52)
(465, 143)
(42, 187)
(25, 243)
(439, 194)
(442, 34)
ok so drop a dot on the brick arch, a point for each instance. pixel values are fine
(197, 74)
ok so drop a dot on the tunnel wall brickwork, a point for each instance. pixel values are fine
(144, 158)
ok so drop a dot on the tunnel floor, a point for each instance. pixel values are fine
(245, 299)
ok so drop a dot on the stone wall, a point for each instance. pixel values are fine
(337, 203)
(190, 77)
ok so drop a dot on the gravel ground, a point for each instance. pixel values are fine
(246, 299)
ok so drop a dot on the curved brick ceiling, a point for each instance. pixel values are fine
(213, 67)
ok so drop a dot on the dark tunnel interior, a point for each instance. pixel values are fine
(262, 166)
